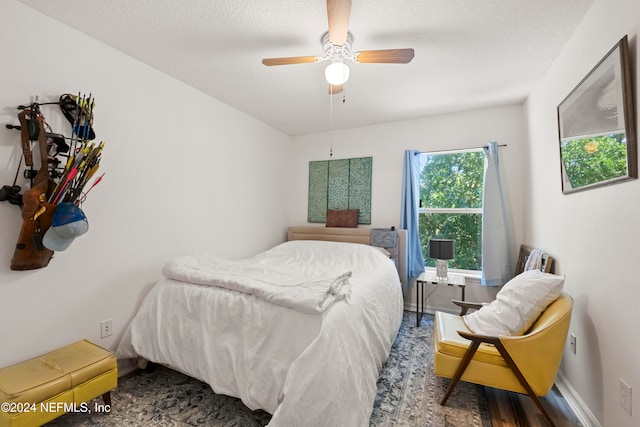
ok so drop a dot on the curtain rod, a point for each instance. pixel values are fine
(460, 149)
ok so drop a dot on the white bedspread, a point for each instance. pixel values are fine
(305, 288)
(306, 369)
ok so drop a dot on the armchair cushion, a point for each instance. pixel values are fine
(517, 305)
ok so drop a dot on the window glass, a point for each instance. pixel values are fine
(451, 205)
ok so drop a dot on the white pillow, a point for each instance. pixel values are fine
(518, 304)
(383, 251)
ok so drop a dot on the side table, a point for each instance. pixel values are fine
(430, 277)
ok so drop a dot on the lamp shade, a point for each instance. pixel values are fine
(442, 249)
(337, 73)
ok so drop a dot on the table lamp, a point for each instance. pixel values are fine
(442, 250)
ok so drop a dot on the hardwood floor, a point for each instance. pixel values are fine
(517, 410)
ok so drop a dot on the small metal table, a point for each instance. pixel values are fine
(430, 277)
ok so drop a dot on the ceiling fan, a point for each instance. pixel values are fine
(336, 44)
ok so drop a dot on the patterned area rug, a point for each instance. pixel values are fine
(409, 392)
(408, 395)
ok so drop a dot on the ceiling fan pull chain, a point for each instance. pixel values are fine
(331, 126)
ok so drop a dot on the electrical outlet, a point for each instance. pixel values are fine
(105, 328)
(625, 397)
(573, 343)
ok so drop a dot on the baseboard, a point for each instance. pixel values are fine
(126, 366)
(431, 310)
(579, 408)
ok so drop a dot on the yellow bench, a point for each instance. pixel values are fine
(39, 390)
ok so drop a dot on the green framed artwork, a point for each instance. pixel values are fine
(340, 184)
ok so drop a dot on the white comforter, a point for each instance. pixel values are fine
(308, 288)
(305, 369)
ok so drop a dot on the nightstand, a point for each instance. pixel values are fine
(430, 278)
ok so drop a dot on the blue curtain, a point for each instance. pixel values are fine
(409, 211)
(496, 255)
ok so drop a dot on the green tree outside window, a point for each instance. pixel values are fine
(451, 195)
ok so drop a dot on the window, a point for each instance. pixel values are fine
(451, 205)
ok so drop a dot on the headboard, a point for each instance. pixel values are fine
(352, 235)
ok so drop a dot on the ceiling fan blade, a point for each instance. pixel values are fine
(388, 56)
(290, 60)
(335, 89)
(338, 12)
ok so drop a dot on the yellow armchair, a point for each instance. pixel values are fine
(525, 364)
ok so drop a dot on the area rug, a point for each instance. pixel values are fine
(409, 392)
(408, 395)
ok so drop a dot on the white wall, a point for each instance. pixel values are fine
(184, 173)
(594, 234)
(386, 143)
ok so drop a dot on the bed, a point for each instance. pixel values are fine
(308, 358)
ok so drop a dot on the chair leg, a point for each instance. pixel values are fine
(523, 381)
(106, 398)
(475, 343)
(461, 368)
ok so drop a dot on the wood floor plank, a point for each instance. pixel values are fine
(495, 412)
(509, 409)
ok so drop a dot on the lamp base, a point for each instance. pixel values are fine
(441, 269)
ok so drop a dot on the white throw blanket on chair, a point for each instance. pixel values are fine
(534, 262)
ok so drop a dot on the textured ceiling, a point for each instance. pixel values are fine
(468, 54)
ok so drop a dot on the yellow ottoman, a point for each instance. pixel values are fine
(39, 390)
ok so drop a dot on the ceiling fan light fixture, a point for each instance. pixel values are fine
(337, 73)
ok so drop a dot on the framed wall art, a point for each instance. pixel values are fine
(338, 185)
(596, 124)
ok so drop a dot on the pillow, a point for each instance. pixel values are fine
(383, 251)
(344, 218)
(518, 304)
